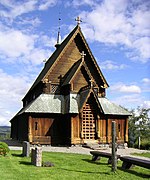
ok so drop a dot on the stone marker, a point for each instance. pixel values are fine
(26, 149)
(36, 156)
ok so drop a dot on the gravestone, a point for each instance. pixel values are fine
(26, 149)
(36, 156)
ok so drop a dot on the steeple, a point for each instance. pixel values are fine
(58, 35)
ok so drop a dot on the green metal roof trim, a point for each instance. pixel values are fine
(49, 103)
(111, 108)
(70, 104)
(45, 103)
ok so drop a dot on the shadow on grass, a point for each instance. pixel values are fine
(85, 172)
(94, 162)
(25, 163)
(17, 155)
(139, 174)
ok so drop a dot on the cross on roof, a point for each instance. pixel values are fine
(82, 55)
(92, 82)
(78, 20)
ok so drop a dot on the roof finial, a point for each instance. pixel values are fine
(58, 35)
(82, 55)
(78, 20)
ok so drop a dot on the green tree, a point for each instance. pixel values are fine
(139, 125)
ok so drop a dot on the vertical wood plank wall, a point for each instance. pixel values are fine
(102, 130)
(75, 130)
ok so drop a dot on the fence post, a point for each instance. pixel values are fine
(114, 157)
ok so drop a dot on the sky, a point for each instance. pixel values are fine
(117, 32)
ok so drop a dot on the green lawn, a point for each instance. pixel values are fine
(67, 167)
(147, 154)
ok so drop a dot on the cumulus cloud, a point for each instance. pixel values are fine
(129, 101)
(111, 65)
(126, 26)
(77, 3)
(16, 8)
(14, 43)
(120, 87)
(14, 87)
(146, 81)
(45, 4)
(17, 45)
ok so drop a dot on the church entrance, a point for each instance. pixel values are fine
(88, 123)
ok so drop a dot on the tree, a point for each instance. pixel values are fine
(139, 125)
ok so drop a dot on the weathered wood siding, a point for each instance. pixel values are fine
(19, 128)
(102, 129)
(64, 63)
(54, 129)
(78, 82)
(76, 130)
(120, 129)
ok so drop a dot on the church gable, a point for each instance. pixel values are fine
(66, 60)
(79, 81)
(68, 53)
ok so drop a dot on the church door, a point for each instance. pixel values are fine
(88, 123)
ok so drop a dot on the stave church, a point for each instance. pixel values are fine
(67, 103)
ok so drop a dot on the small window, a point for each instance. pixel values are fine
(54, 88)
(36, 125)
(119, 127)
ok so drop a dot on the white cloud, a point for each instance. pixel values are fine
(122, 22)
(120, 87)
(77, 3)
(14, 43)
(146, 81)
(34, 22)
(129, 101)
(37, 56)
(12, 91)
(46, 4)
(16, 8)
(110, 65)
(146, 104)
(19, 46)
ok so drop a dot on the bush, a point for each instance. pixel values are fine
(4, 149)
(145, 144)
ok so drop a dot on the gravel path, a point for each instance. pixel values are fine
(76, 149)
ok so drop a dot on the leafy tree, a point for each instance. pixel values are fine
(139, 125)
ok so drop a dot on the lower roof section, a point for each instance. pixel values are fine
(112, 109)
(49, 103)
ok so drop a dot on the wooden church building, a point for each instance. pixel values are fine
(67, 103)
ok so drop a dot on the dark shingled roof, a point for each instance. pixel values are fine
(73, 70)
(57, 53)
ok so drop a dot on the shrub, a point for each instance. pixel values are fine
(4, 149)
(145, 144)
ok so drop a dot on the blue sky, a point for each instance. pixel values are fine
(116, 31)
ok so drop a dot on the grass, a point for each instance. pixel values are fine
(66, 167)
(147, 154)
